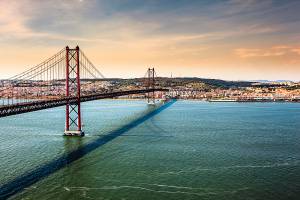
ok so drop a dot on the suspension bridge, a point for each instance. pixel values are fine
(66, 79)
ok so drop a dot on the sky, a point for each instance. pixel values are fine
(225, 39)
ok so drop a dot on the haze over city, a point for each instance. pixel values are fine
(232, 40)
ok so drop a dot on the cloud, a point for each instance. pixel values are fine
(12, 21)
(274, 51)
(98, 20)
(296, 50)
(132, 32)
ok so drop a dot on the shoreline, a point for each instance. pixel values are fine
(136, 99)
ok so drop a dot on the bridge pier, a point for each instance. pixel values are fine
(73, 110)
(74, 133)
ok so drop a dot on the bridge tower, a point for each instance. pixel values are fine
(151, 85)
(73, 110)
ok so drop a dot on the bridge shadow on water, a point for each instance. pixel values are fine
(20, 183)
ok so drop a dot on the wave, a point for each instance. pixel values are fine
(233, 167)
(138, 188)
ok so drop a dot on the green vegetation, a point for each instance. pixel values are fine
(196, 83)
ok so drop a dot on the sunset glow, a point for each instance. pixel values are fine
(233, 40)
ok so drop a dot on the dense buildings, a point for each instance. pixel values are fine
(183, 88)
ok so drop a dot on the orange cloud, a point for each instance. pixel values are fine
(273, 51)
(248, 53)
(296, 50)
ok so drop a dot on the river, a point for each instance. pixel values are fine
(181, 150)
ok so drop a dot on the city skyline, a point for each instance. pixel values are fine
(231, 40)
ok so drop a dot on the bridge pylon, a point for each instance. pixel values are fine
(151, 85)
(73, 109)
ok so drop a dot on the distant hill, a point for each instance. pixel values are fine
(219, 82)
(178, 81)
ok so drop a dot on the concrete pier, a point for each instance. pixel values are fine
(74, 133)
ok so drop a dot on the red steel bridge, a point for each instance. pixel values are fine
(65, 79)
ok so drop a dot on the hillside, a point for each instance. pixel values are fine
(186, 81)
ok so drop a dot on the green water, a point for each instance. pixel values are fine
(188, 150)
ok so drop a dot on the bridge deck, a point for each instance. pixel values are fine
(45, 104)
